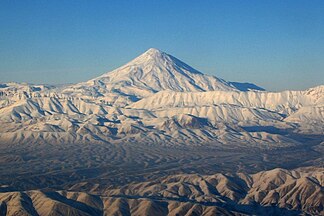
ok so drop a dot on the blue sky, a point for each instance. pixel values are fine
(275, 44)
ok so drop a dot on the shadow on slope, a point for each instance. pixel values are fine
(73, 203)
(246, 86)
(267, 129)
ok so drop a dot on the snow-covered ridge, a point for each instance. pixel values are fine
(158, 99)
(284, 102)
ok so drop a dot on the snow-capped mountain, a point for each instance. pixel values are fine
(158, 99)
(151, 72)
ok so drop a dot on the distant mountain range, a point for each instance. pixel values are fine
(158, 99)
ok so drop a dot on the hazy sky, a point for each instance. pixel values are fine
(275, 44)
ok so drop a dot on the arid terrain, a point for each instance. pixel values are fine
(273, 192)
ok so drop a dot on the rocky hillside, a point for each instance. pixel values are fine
(274, 192)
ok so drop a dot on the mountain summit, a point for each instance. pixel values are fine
(151, 72)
